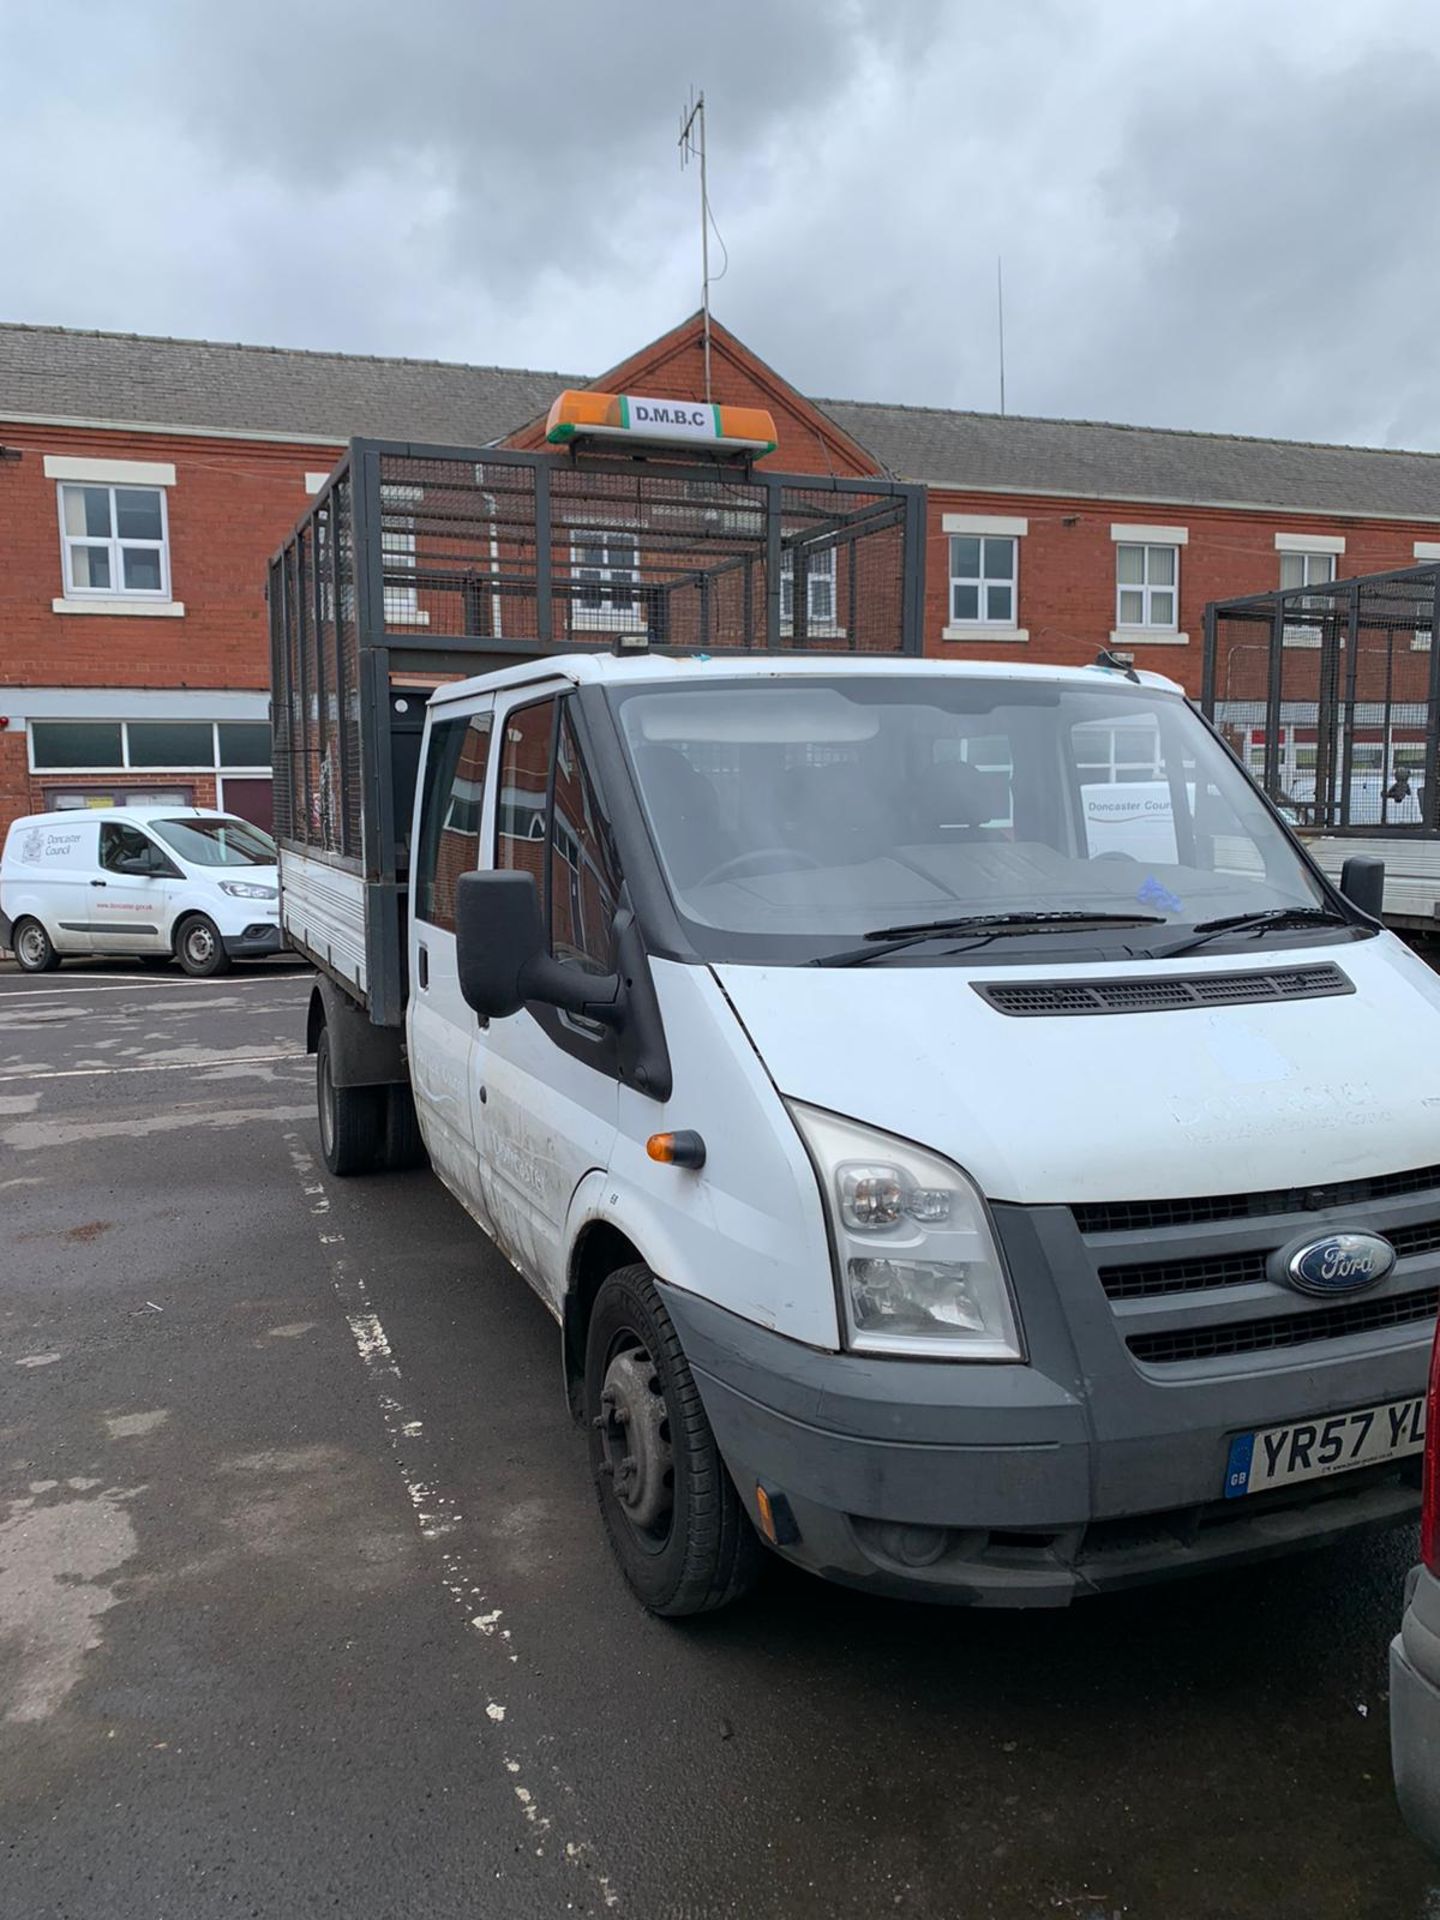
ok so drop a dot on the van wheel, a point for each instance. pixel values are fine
(34, 949)
(674, 1519)
(352, 1119)
(200, 949)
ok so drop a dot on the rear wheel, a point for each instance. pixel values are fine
(200, 950)
(34, 949)
(352, 1119)
(675, 1521)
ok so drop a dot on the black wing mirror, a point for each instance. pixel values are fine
(1362, 881)
(501, 957)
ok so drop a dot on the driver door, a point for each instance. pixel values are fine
(546, 1084)
(131, 911)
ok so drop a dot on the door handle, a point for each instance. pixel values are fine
(424, 967)
(99, 883)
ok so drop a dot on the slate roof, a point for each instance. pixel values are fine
(995, 453)
(56, 372)
(60, 373)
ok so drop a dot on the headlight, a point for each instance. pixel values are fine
(249, 890)
(919, 1269)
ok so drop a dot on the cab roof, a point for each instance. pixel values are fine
(650, 669)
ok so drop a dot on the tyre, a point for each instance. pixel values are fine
(199, 948)
(352, 1119)
(673, 1517)
(34, 949)
(404, 1147)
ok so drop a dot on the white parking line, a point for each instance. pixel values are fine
(161, 1066)
(437, 1511)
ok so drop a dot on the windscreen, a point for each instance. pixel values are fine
(792, 817)
(217, 843)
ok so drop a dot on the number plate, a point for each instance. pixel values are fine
(1312, 1449)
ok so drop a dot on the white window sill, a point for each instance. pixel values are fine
(815, 630)
(416, 619)
(123, 603)
(1127, 637)
(976, 630)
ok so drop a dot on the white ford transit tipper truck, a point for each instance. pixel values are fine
(964, 1141)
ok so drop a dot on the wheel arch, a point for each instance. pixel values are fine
(361, 1054)
(600, 1249)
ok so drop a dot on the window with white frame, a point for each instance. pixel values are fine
(605, 569)
(1305, 570)
(397, 556)
(114, 542)
(1147, 579)
(982, 580)
(819, 587)
(1298, 570)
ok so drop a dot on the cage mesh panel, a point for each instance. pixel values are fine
(1346, 704)
(280, 706)
(680, 557)
(299, 792)
(347, 654)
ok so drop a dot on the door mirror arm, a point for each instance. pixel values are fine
(561, 984)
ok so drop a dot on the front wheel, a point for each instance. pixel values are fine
(200, 950)
(674, 1519)
(34, 949)
(352, 1119)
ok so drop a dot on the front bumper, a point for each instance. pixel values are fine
(991, 1485)
(1415, 1709)
(254, 942)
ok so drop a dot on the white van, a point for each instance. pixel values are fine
(152, 882)
(964, 1140)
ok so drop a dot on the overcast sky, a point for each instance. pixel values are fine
(1213, 213)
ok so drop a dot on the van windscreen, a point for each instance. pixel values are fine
(208, 842)
(790, 818)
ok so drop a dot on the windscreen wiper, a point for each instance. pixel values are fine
(1208, 930)
(988, 926)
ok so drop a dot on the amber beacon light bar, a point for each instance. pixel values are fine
(578, 415)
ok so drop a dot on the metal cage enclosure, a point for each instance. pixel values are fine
(417, 564)
(1330, 694)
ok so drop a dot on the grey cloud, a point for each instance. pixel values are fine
(1212, 212)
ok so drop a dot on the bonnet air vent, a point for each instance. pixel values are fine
(1170, 994)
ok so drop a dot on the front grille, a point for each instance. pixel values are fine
(1141, 1216)
(1157, 1277)
(1170, 1346)
(1164, 994)
(1184, 1276)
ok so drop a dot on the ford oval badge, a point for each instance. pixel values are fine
(1337, 1263)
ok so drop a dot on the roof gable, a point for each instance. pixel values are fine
(673, 368)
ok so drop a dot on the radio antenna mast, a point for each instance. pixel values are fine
(692, 146)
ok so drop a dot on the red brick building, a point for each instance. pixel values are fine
(144, 483)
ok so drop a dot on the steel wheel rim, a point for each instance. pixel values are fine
(327, 1105)
(636, 1454)
(199, 944)
(31, 945)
